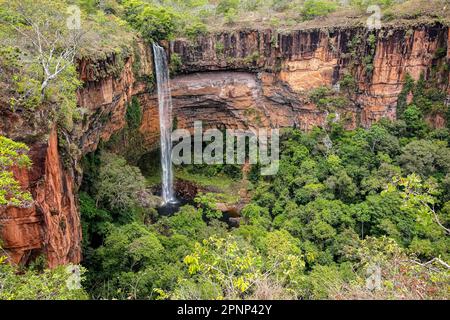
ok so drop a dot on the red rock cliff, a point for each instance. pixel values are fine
(52, 225)
(258, 77)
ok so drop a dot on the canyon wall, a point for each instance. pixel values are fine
(240, 79)
(254, 78)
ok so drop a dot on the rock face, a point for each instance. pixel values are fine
(244, 79)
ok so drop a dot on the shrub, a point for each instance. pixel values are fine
(45, 285)
(230, 16)
(175, 63)
(280, 5)
(208, 204)
(134, 114)
(363, 4)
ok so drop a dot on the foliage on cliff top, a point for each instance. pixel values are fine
(159, 20)
(103, 31)
(39, 284)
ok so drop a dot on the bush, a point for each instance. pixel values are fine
(281, 5)
(175, 64)
(208, 204)
(230, 16)
(363, 4)
(119, 187)
(195, 29)
(13, 154)
(225, 6)
(134, 114)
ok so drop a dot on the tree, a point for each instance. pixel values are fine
(94, 221)
(39, 45)
(283, 258)
(379, 139)
(415, 124)
(130, 247)
(317, 8)
(155, 23)
(255, 214)
(342, 186)
(120, 187)
(13, 154)
(188, 221)
(208, 204)
(225, 6)
(425, 158)
(58, 284)
(385, 271)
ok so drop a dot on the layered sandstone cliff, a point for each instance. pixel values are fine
(52, 224)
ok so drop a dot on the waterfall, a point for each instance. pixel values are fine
(165, 122)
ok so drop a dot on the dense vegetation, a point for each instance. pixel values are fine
(345, 207)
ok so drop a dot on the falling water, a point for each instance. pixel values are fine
(165, 122)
